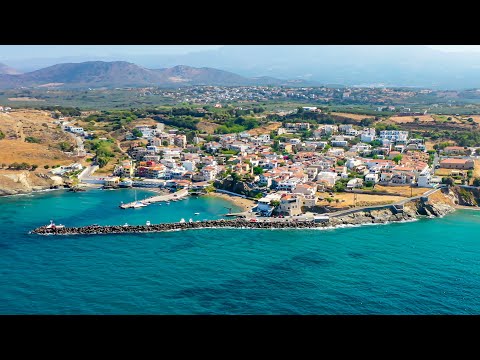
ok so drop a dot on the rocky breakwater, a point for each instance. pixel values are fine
(122, 229)
(411, 211)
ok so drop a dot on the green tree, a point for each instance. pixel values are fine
(137, 133)
(235, 177)
(340, 162)
(257, 170)
(34, 167)
(276, 145)
(2, 135)
(397, 159)
(275, 203)
(369, 184)
(165, 143)
(476, 182)
(102, 161)
(46, 166)
(448, 181)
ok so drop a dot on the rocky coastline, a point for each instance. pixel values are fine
(26, 182)
(410, 212)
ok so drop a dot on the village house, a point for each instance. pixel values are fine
(355, 183)
(374, 178)
(368, 135)
(306, 189)
(209, 173)
(462, 164)
(396, 136)
(329, 178)
(454, 150)
(290, 205)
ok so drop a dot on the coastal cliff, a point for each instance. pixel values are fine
(24, 182)
(411, 211)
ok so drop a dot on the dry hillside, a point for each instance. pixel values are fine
(18, 126)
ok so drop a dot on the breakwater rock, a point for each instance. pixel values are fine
(410, 212)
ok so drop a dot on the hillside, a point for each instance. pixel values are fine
(5, 69)
(32, 137)
(124, 74)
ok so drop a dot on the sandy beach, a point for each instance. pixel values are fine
(245, 204)
(467, 207)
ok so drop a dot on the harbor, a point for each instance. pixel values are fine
(179, 195)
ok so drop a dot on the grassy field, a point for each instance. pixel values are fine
(411, 119)
(265, 129)
(36, 126)
(402, 190)
(18, 151)
(347, 199)
(207, 126)
(357, 117)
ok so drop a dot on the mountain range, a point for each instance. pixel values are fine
(350, 65)
(125, 74)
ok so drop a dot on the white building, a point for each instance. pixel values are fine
(368, 135)
(288, 185)
(394, 135)
(424, 180)
(190, 165)
(329, 177)
(372, 177)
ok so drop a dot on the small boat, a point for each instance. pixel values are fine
(126, 224)
(147, 223)
(53, 226)
(197, 213)
(138, 204)
(182, 220)
(190, 221)
(168, 203)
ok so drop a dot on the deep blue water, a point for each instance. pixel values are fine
(429, 266)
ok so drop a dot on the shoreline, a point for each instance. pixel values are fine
(244, 204)
(463, 207)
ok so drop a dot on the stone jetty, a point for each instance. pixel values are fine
(415, 210)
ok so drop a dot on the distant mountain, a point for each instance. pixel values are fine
(5, 69)
(391, 65)
(123, 74)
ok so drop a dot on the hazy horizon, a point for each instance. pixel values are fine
(435, 66)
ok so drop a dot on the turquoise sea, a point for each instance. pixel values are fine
(429, 266)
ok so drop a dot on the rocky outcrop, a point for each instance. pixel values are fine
(24, 182)
(238, 187)
(464, 196)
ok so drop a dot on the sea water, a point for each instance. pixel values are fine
(430, 266)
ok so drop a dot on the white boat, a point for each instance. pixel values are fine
(182, 220)
(168, 203)
(147, 223)
(137, 204)
(126, 224)
(197, 213)
(190, 220)
(53, 226)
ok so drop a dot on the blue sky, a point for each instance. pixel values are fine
(19, 52)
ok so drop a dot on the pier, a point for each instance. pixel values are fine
(158, 198)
